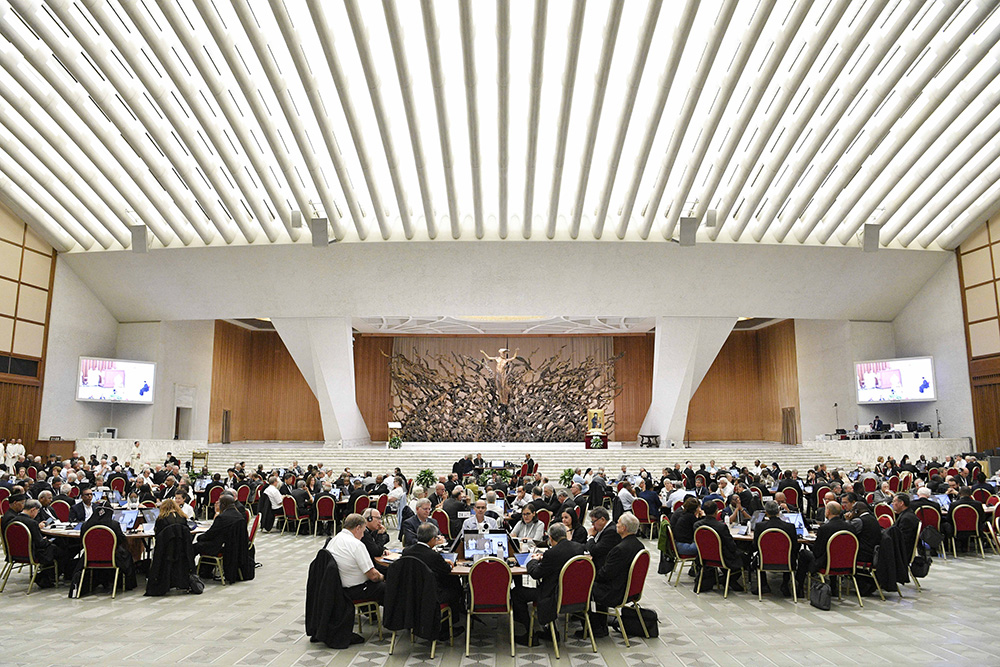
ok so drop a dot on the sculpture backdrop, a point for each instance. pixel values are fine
(501, 390)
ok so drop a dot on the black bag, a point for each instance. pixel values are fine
(666, 564)
(920, 566)
(630, 619)
(932, 537)
(708, 581)
(195, 585)
(819, 596)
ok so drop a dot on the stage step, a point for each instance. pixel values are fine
(551, 462)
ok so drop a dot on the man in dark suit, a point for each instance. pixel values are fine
(772, 513)
(965, 499)
(529, 464)
(611, 580)
(408, 531)
(906, 522)
(43, 550)
(83, 510)
(449, 587)
(303, 504)
(212, 541)
(689, 477)
(730, 554)
(603, 536)
(375, 536)
(812, 560)
(15, 506)
(455, 504)
(868, 530)
(788, 481)
(651, 498)
(545, 569)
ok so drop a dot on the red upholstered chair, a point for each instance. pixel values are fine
(256, 493)
(147, 504)
(636, 582)
(545, 517)
(620, 486)
(443, 522)
(61, 509)
(292, 514)
(4, 506)
(118, 484)
(524, 471)
(33, 472)
(932, 472)
(992, 500)
(489, 593)
(325, 511)
(885, 520)
(243, 495)
(775, 548)
(99, 544)
(361, 503)
(869, 484)
(252, 529)
(579, 514)
(19, 552)
(982, 495)
(678, 558)
(883, 508)
(929, 516)
(894, 483)
(755, 491)
(905, 481)
(966, 521)
(575, 583)
(640, 508)
(791, 497)
(821, 493)
(680, 503)
(710, 554)
(4, 492)
(213, 497)
(534, 469)
(74, 492)
(501, 495)
(951, 472)
(870, 498)
(383, 502)
(841, 561)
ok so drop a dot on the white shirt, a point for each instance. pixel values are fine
(275, 496)
(188, 511)
(395, 496)
(352, 558)
(677, 494)
(489, 523)
(626, 499)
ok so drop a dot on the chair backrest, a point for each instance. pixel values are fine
(869, 484)
(254, 525)
(885, 521)
(74, 492)
(4, 505)
(579, 513)
(17, 543)
(982, 495)
(325, 506)
(148, 504)
(489, 586)
(288, 506)
(620, 486)
(637, 576)
(361, 504)
(243, 494)
(966, 519)
(545, 517)
(640, 508)
(952, 472)
(894, 483)
(841, 553)
(709, 546)
(753, 489)
(791, 496)
(928, 517)
(118, 484)
(4, 492)
(383, 502)
(932, 472)
(443, 522)
(992, 500)
(61, 509)
(720, 504)
(214, 494)
(500, 494)
(99, 544)
(882, 508)
(576, 579)
(677, 505)
(33, 472)
(257, 491)
(524, 470)
(775, 547)
(905, 480)
(870, 498)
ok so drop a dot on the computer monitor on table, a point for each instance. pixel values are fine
(150, 514)
(795, 518)
(126, 518)
(498, 465)
(493, 543)
(201, 483)
(944, 500)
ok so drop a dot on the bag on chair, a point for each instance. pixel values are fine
(820, 595)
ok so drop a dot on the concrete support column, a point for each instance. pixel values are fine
(323, 349)
(685, 348)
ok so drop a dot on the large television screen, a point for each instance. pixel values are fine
(115, 381)
(895, 380)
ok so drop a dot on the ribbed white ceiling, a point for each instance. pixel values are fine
(235, 122)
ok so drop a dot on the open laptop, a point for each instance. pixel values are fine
(126, 518)
(493, 543)
(150, 514)
(795, 518)
(522, 558)
(498, 465)
(201, 483)
(944, 500)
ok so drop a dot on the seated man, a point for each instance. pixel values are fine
(83, 510)
(408, 531)
(814, 559)
(545, 569)
(682, 526)
(611, 580)
(773, 519)
(375, 536)
(479, 522)
(214, 540)
(965, 498)
(449, 587)
(358, 576)
(15, 505)
(603, 536)
(43, 550)
(730, 554)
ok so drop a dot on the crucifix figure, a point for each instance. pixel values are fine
(503, 358)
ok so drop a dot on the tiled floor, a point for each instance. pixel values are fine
(262, 623)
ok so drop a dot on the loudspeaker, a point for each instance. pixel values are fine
(140, 238)
(711, 218)
(689, 230)
(871, 237)
(320, 232)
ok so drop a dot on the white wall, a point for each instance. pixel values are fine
(79, 325)
(182, 351)
(932, 324)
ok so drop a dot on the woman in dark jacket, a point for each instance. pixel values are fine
(576, 532)
(173, 554)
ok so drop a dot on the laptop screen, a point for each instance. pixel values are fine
(795, 518)
(200, 484)
(943, 499)
(486, 544)
(126, 518)
(522, 558)
(150, 515)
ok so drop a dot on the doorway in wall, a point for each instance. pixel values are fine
(182, 423)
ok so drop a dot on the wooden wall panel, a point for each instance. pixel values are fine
(635, 373)
(754, 376)
(255, 377)
(20, 410)
(372, 382)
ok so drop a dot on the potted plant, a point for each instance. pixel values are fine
(395, 442)
(566, 478)
(426, 478)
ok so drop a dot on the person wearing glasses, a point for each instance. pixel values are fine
(529, 528)
(83, 510)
